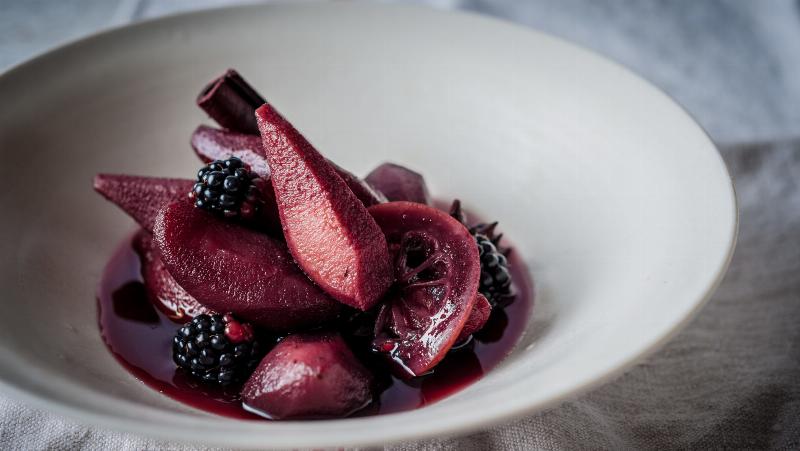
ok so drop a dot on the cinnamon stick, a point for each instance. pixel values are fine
(231, 101)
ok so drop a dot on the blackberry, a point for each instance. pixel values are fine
(216, 349)
(228, 188)
(495, 281)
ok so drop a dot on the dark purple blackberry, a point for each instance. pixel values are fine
(228, 188)
(216, 349)
(495, 281)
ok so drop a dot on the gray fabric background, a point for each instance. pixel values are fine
(731, 380)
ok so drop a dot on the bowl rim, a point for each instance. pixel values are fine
(154, 429)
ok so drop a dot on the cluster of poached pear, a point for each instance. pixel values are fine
(323, 244)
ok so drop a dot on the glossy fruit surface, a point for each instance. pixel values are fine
(206, 349)
(308, 376)
(231, 268)
(437, 271)
(162, 289)
(478, 317)
(228, 188)
(329, 232)
(140, 337)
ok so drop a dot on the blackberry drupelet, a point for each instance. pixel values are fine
(216, 349)
(495, 281)
(228, 188)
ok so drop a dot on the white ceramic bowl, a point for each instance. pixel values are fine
(617, 199)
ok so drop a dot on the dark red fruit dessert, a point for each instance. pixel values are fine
(213, 144)
(367, 194)
(216, 349)
(495, 276)
(437, 270)
(496, 283)
(162, 289)
(141, 197)
(228, 267)
(477, 318)
(140, 337)
(231, 101)
(399, 183)
(230, 189)
(308, 376)
(369, 305)
(329, 231)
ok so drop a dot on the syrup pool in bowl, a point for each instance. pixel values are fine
(139, 335)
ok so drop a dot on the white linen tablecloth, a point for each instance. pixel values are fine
(732, 378)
